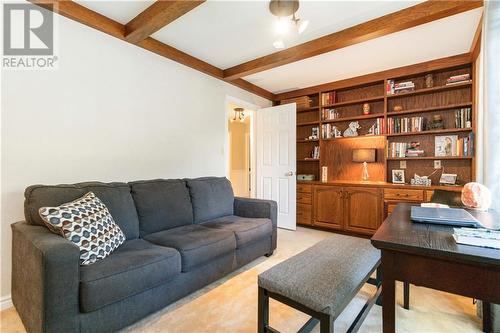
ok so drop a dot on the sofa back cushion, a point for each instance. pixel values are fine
(212, 197)
(161, 204)
(116, 197)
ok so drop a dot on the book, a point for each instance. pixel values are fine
(328, 98)
(477, 237)
(445, 145)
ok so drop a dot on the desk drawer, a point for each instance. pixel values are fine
(304, 214)
(403, 194)
(304, 198)
(304, 188)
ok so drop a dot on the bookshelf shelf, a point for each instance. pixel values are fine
(304, 140)
(431, 109)
(442, 131)
(339, 120)
(355, 101)
(353, 137)
(308, 123)
(429, 158)
(431, 90)
(308, 109)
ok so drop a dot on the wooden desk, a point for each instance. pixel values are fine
(427, 255)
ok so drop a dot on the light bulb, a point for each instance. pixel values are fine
(281, 26)
(303, 26)
(279, 44)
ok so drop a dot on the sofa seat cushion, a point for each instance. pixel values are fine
(136, 266)
(197, 244)
(246, 230)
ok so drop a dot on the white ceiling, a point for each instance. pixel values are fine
(446, 37)
(227, 33)
(118, 10)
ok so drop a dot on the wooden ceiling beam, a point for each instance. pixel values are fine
(475, 48)
(404, 19)
(423, 67)
(155, 17)
(83, 15)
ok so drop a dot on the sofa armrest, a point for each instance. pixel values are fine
(45, 279)
(258, 208)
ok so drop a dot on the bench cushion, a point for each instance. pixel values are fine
(197, 244)
(246, 230)
(161, 204)
(134, 267)
(326, 276)
(211, 197)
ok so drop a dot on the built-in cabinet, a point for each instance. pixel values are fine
(328, 207)
(362, 209)
(354, 209)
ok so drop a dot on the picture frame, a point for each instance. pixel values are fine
(398, 176)
(445, 145)
(448, 179)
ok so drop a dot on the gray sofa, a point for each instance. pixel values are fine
(181, 234)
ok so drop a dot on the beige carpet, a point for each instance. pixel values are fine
(230, 304)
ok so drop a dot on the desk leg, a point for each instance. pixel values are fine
(388, 293)
(486, 317)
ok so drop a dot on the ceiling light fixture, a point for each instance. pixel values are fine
(239, 115)
(282, 9)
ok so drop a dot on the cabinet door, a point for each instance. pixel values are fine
(328, 207)
(304, 214)
(363, 209)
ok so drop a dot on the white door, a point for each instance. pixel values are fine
(276, 160)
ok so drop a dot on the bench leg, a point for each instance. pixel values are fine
(326, 324)
(263, 311)
(406, 295)
(379, 280)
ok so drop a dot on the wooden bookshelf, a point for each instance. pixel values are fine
(440, 99)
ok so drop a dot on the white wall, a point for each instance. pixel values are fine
(111, 112)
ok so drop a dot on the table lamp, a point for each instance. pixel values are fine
(364, 155)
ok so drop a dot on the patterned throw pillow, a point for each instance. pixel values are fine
(87, 223)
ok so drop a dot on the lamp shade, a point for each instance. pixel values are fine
(363, 155)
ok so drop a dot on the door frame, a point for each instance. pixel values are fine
(253, 158)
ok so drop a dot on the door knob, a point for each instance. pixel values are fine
(289, 173)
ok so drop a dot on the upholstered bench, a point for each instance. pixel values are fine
(321, 281)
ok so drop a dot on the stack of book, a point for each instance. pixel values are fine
(414, 152)
(403, 149)
(329, 114)
(477, 237)
(397, 149)
(315, 153)
(329, 131)
(378, 127)
(463, 118)
(457, 79)
(400, 87)
(303, 102)
(465, 146)
(405, 125)
(328, 98)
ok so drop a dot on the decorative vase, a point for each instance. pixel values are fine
(366, 109)
(429, 81)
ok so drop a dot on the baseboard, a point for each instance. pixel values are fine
(5, 302)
